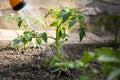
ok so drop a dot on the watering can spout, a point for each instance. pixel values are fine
(18, 4)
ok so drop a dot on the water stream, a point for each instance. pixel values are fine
(31, 15)
(27, 10)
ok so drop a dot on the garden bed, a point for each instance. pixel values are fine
(28, 64)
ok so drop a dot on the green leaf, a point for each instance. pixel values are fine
(28, 35)
(108, 58)
(64, 15)
(79, 64)
(57, 69)
(72, 22)
(82, 32)
(81, 20)
(26, 32)
(87, 57)
(60, 64)
(55, 24)
(80, 16)
(48, 13)
(60, 33)
(38, 41)
(114, 75)
(44, 37)
(65, 18)
(107, 68)
(24, 40)
(64, 35)
(16, 41)
(71, 64)
(19, 22)
(55, 10)
(85, 77)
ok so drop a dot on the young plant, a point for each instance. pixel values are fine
(111, 22)
(64, 19)
(28, 34)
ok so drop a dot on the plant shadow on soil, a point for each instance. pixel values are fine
(27, 65)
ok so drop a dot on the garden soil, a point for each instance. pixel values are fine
(28, 64)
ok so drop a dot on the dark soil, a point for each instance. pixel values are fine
(27, 64)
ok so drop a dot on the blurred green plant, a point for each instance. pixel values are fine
(110, 59)
(28, 34)
(64, 19)
(111, 22)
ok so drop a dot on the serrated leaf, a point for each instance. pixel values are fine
(28, 36)
(72, 22)
(24, 41)
(64, 15)
(44, 37)
(65, 18)
(55, 10)
(82, 32)
(19, 22)
(16, 41)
